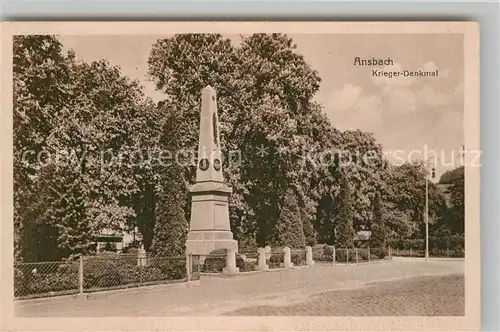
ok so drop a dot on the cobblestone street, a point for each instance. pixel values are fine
(419, 296)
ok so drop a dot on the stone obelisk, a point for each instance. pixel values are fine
(209, 226)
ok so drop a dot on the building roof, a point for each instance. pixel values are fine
(108, 238)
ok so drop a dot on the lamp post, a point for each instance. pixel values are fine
(433, 174)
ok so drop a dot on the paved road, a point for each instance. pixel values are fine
(248, 294)
(419, 296)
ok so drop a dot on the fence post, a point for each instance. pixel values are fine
(189, 266)
(369, 254)
(287, 259)
(261, 261)
(397, 251)
(80, 274)
(356, 256)
(231, 267)
(309, 256)
(268, 252)
(334, 256)
(390, 253)
(347, 257)
(411, 252)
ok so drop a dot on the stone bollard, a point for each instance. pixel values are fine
(262, 260)
(287, 259)
(267, 250)
(309, 256)
(140, 255)
(230, 263)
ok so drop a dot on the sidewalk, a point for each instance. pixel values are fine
(215, 292)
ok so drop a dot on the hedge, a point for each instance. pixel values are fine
(275, 260)
(322, 253)
(62, 277)
(452, 242)
(102, 271)
(215, 262)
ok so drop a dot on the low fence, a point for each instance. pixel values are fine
(46, 279)
(440, 247)
(95, 273)
(116, 271)
(248, 261)
(326, 254)
(111, 273)
(276, 258)
(216, 262)
(433, 253)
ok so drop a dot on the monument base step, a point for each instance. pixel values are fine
(230, 270)
(209, 235)
(204, 247)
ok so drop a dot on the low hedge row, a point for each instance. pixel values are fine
(324, 253)
(215, 262)
(452, 242)
(29, 281)
(451, 253)
(277, 259)
(98, 272)
(459, 252)
(101, 273)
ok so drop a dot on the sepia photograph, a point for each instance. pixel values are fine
(236, 171)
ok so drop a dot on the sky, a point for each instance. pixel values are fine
(404, 113)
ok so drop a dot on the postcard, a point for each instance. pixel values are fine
(234, 176)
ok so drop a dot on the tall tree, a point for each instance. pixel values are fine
(325, 220)
(449, 177)
(288, 231)
(405, 201)
(75, 230)
(308, 228)
(454, 219)
(40, 80)
(170, 228)
(74, 114)
(344, 232)
(265, 90)
(378, 230)
(457, 195)
(170, 223)
(362, 161)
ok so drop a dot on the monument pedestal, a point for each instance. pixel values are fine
(209, 227)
